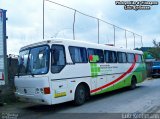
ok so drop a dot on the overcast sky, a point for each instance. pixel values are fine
(24, 25)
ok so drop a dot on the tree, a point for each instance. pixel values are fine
(156, 44)
(147, 55)
(155, 51)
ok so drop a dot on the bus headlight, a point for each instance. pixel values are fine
(41, 90)
(45, 90)
(37, 91)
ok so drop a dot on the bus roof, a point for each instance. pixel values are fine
(78, 43)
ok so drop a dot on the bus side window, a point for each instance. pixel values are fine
(78, 54)
(130, 58)
(96, 52)
(139, 58)
(121, 57)
(58, 60)
(110, 56)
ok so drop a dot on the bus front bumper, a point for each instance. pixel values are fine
(38, 99)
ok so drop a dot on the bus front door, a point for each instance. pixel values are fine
(59, 88)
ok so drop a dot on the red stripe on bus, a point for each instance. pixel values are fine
(116, 80)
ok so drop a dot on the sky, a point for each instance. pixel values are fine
(24, 25)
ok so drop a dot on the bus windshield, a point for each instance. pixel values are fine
(34, 61)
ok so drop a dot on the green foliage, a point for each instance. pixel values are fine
(155, 51)
(148, 55)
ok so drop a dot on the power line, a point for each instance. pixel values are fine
(91, 16)
(98, 19)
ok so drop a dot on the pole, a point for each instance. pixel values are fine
(126, 38)
(98, 30)
(74, 20)
(114, 35)
(134, 40)
(43, 19)
(141, 41)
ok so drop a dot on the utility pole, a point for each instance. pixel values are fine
(126, 38)
(43, 19)
(98, 30)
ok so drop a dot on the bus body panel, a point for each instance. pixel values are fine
(125, 81)
(64, 90)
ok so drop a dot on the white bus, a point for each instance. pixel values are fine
(59, 70)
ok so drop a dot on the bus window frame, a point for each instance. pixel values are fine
(141, 58)
(85, 52)
(118, 58)
(29, 48)
(65, 61)
(110, 51)
(134, 58)
(95, 49)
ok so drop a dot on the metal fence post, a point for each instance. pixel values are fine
(126, 37)
(141, 41)
(98, 30)
(134, 40)
(114, 35)
(43, 19)
(74, 20)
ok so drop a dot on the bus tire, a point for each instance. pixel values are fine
(80, 95)
(133, 83)
(153, 76)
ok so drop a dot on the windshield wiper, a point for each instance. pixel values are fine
(30, 73)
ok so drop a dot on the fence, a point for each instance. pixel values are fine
(78, 23)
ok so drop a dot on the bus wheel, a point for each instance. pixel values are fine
(80, 95)
(133, 83)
